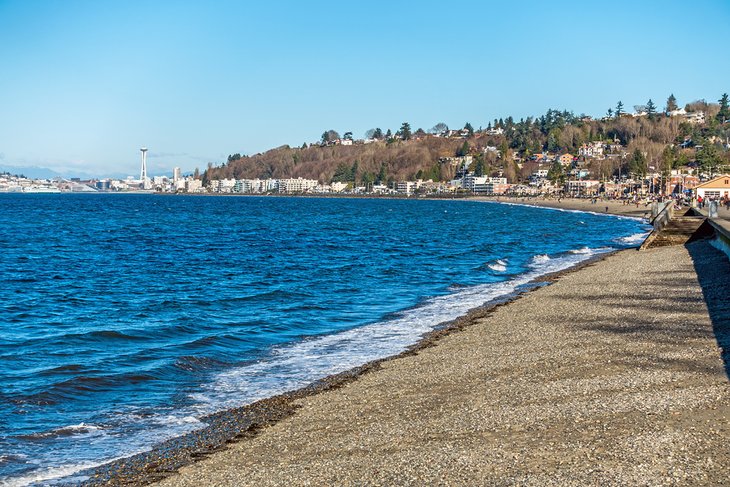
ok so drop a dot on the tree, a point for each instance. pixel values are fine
(724, 114)
(304, 145)
(650, 108)
(353, 172)
(708, 158)
(479, 166)
(343, 173)
(671, 104)
(556, 174)
(463, 150)
(469, 128)
(609, 113)
(637, 163)
(388, 134)
(382, 174)
(367, 180)
(619, 109)
(329, 136)
(348, 136)
(405, 131)
(439, 128)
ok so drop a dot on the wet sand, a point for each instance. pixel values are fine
(613, 375)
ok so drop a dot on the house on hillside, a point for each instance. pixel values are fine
(695, 118)
(715, 188)
(566, 159)
(591, 149)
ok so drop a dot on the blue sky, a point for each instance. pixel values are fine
(85, 84)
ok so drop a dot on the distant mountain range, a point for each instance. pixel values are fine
(36, 172)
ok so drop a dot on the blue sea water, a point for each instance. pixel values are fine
(124, 319)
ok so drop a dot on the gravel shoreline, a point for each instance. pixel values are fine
(610, 376)
(568, 385)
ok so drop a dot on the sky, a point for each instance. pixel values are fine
(85, 83)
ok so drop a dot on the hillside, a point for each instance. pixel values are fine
(663, 141)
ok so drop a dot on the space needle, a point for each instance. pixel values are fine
(143, 174)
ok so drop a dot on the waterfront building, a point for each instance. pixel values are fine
(485, 184)
(715, 188)
(298, 185)
(176, 175)
(193, 185)
(582, 186)
(407, 187)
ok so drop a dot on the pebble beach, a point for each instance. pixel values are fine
(611, 375)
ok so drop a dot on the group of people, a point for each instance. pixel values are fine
(724, 201)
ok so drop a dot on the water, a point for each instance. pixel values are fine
(126, 318)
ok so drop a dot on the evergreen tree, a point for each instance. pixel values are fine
(469, 128)
(709, 158)
(556, 174)
(671, 104)
(382, 174)
(304, 145)
(405, 131)
(463, 150)
(343, 174)
(354, 171)
(348, 136)
(479, 166)
(637, 163)
(724, 114)
(388, 134)
(619, 109)
(377, 133)
(650, 108)
(609, 113)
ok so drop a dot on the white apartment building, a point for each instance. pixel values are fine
(298, 185)
(485, 184)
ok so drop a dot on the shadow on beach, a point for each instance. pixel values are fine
(713, 272)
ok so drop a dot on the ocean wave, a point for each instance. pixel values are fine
(632, 239)
(65, 431)
(539, 259)
(498, 265)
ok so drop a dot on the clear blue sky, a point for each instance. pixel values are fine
(85, 84)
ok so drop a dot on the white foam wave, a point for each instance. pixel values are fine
(539, 260)
(632, 239)
(52, 475)
(498, 266)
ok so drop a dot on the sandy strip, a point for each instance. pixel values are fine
(610, 376)
(614, 207)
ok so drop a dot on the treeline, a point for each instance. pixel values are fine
(660, 140)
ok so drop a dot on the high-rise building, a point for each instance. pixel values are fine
(176, 175)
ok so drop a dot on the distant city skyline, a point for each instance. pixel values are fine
(85, 84)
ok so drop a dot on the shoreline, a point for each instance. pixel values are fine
(584, 382)
(234, 424)
(230, 426)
